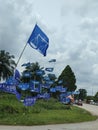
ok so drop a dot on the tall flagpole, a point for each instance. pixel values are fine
(21, 54)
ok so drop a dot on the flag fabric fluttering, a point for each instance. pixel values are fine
(40, 72)
(49, 69)
(26, 64)
(17, 75)
(52, 60)
(39, 40)
(29, 101)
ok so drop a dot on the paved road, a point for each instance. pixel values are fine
(76, 126)
(92, 108)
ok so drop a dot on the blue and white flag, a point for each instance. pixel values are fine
(38, 40)
(40, 72)
(29, 101)
(17, 75)
(23, 86)
(49, 69)
(26, 64)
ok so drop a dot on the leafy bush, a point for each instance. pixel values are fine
(8, 109)
(51, 104)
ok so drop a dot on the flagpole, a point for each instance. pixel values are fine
(21, 54)
(19, 59)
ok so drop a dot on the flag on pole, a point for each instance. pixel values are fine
(38, 40)
(49, 69)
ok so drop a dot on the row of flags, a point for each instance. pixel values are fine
(64, 97)
(38, 40)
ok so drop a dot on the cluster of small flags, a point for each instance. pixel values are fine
(39, 41)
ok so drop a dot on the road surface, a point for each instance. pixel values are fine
(73, 126)
(91, 108)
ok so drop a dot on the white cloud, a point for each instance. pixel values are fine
(72, 28)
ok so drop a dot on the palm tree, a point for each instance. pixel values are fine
(31, 69)
(7, 64)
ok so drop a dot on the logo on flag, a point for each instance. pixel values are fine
(38, 40)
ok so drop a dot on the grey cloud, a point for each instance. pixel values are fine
(13, 18)
(73, 41)
(89, 24)
(82, 8)
(80, 17)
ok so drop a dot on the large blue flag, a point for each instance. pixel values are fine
(38, 40)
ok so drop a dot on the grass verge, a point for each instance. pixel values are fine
(13, 112)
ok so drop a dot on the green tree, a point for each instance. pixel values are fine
(7, 64)
(32, 68)
(68, 78)
(52, 77)
(83, 94)
(89, 98)
(96, 97)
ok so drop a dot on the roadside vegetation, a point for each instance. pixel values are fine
(13, 112)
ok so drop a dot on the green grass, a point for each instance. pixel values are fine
(13, 112)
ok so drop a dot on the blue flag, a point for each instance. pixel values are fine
(40, 72)
(17, 75)
(38, 40)
(29, 101)
(49, 69)
(52, 60)
(26, 64)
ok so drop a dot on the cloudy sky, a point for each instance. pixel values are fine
(72, 28)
